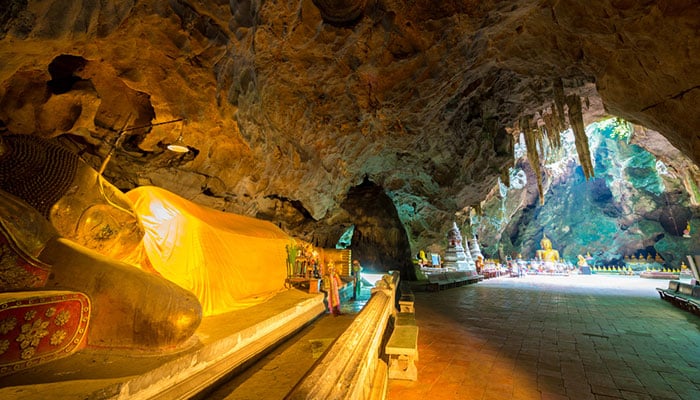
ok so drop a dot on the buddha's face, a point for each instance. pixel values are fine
(97, 215)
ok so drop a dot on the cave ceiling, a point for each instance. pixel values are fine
(290, 104)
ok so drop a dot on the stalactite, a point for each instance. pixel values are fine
(559, 101)
(505, 176)
(576, 118)
(553, 134)
(532, 155)
(556, 120)
(540, 135)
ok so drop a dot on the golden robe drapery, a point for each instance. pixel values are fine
(228, 261)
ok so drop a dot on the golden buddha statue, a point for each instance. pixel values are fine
(581, 261)
(228, 261)
(130, 308)
(81, 229)
(547, 253)
(206, 252)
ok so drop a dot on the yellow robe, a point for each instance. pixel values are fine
(228, 261)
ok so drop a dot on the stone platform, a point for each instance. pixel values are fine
(222, 344)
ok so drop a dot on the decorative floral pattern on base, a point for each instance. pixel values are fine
(37, 327)
(18, 271)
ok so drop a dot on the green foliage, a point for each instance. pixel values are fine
(615, 128)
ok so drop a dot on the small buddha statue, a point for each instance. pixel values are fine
(547, 254)
(581, 261)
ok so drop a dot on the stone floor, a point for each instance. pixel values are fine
(536, 337)
(556, 337)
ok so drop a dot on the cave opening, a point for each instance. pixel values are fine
(635, 203)
(62, 70)
(379, 240)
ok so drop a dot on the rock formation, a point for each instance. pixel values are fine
(637, 204)
(289, 105)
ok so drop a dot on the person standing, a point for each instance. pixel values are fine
(333, 290)
(356, 270)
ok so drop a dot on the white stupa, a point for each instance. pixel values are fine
(474, 248)
(470, 260)
(455, 256)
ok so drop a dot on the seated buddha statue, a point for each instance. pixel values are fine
(581, 261)
(547, 254)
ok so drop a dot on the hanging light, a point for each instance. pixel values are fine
(179, 146)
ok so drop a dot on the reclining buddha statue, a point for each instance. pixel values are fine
(63, 238)
(143, 267)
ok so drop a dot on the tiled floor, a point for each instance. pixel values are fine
(538, 337)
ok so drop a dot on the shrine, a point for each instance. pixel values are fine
(455, 255)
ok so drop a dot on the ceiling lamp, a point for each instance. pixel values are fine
(179, 146)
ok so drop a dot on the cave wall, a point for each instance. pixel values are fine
(291, 104)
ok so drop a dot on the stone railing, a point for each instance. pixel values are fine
(353, 368)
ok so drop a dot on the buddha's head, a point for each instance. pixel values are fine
(546, 243)
(70, 194)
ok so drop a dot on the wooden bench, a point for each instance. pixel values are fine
(671, 291)
(402, 349)
(450, 279)
(461, 278)
(406, 298)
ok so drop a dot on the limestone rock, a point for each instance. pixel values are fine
(289, 105)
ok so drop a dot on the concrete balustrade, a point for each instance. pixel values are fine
(353, 367)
